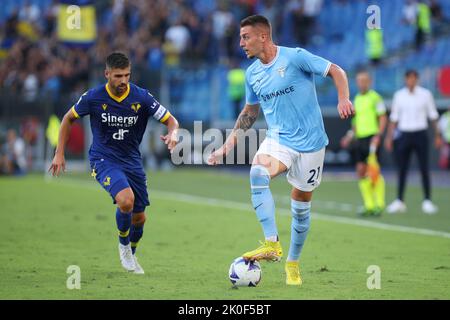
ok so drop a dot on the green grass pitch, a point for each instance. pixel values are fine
(198, 222)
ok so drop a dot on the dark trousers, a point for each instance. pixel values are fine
(404, 146)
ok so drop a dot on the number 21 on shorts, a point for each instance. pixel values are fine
(314, 176)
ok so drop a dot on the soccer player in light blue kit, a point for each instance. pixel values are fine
(281, 82)
(119, 112)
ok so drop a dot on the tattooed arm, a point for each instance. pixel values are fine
(245, 121)
(247, 117)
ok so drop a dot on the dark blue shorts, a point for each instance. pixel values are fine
(114, 178)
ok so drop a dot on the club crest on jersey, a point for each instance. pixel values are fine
(136, 107)
(107, 181)
(104, 106)
(281, 71)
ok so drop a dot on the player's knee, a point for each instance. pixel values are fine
(299, 195)
(126, 203)
(125, 200)
(259, 177)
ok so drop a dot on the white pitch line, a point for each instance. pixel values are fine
(200, 200)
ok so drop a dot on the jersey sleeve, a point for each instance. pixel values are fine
(81, 107)
(250, 96)
(155, 109)
(311, 63)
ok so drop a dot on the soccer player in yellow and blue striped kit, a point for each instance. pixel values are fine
(119, 112)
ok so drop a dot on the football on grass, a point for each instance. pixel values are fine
(244, 273)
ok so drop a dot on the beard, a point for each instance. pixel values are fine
(121, 89)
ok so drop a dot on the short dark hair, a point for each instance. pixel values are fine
(410, 72)
(255, 20)
(117, 60)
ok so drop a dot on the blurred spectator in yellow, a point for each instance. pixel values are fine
(178, 35)
(423, 23)
(418, 14)
(236, 86)
(374, 45)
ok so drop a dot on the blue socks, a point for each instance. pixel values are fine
(299, 227)
(262, 200)
(135, 235)
(123, 224)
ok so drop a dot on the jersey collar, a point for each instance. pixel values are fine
(271, 63)
(122, 97)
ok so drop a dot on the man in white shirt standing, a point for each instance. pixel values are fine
(412, 107)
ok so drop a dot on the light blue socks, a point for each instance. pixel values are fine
(299, 227)
(262, 200)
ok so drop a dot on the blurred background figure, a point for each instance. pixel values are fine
(417, 14)
(222, 24)
(304, 15)
(423, 24)
(444, 128)
(368, 126)
(13, 156)
(374, 45)
(412, 107)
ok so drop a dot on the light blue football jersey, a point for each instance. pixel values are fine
(285, 90)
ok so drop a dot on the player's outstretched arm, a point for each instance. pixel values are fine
(59, 162)
(345, 106)
(245, 121)
(171, 138)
